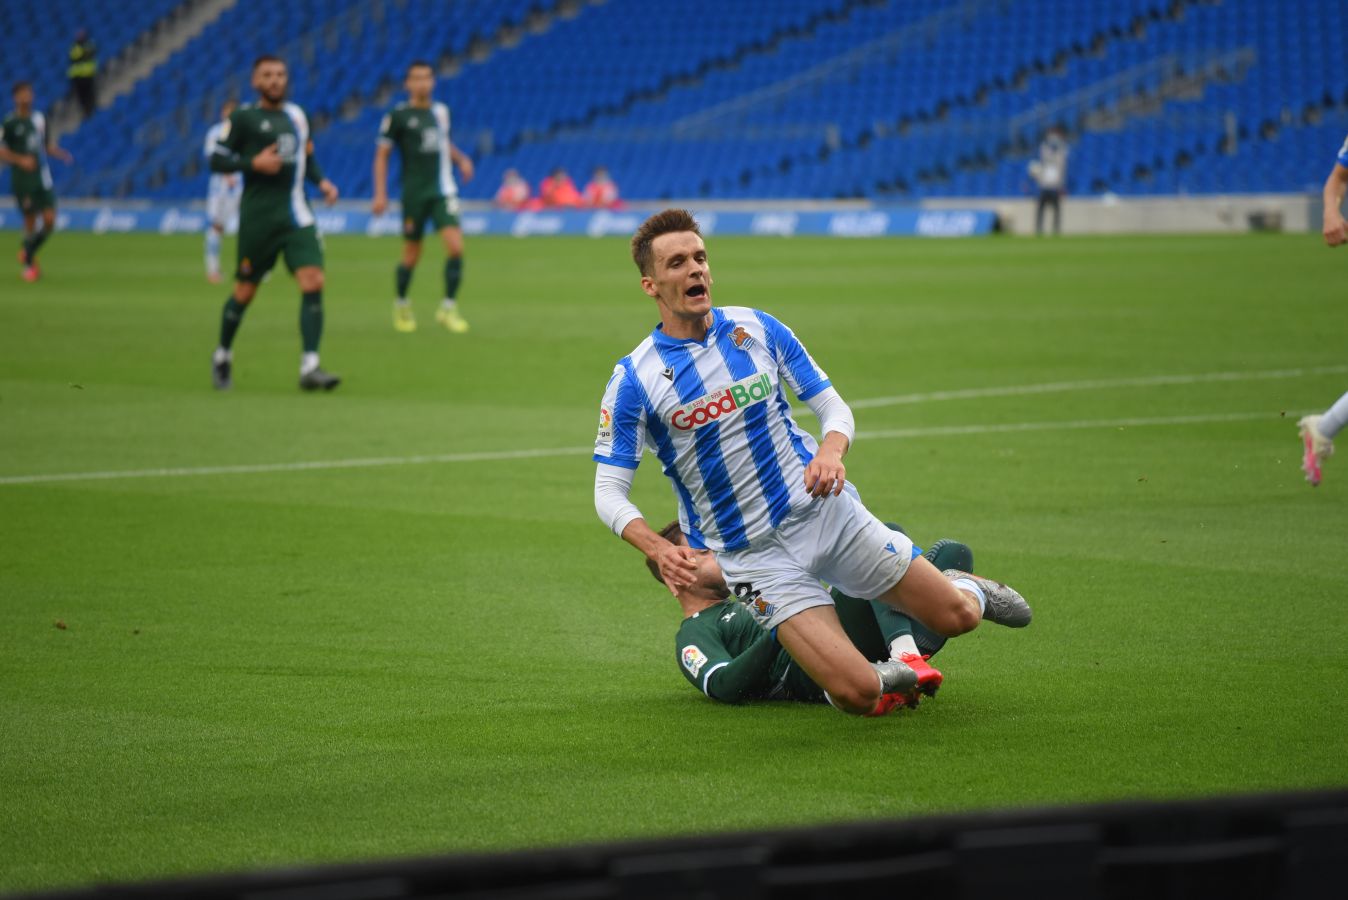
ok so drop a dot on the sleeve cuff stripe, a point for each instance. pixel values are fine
(616, 461)
(706, 679)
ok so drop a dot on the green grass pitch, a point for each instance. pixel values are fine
(350, 662)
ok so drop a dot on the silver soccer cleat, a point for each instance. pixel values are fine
(895, 677)
(1005, 605)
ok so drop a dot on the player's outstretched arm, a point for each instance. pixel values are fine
(826, 473)
(612, 485)
(1335, 229)
(379, 176)
(314, 174)
(461, 160)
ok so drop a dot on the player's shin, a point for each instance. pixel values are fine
(311, 328)
(230, 319)
(453, 277)
(402, 281)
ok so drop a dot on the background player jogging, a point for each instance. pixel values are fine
(704, 392)
(419, 129)
(269, 143)
(25, 145)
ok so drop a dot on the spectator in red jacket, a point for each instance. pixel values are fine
(559, 190)
(513, 192)
(602, 192)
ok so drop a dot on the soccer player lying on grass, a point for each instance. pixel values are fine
(726, 655)
(706, 393)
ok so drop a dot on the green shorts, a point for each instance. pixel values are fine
(34, 201)
(258, 250)
(438, 209)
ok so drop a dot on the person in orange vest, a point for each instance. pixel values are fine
(513, 192)
(601, 192)
(559, 190)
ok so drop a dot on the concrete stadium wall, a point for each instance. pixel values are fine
(1159, 215)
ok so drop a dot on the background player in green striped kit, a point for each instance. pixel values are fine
(269, 143)
(25, 145)
(420, 131)
(723, 651)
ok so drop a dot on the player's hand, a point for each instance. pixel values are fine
(678, 566)
(268, 162)
(379, 205)
(27, 162)
(825, 474)
(466, 168)
(1336, 231)
(330, 192)
(62, 154)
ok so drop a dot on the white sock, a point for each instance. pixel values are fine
(222, 355)
(970, 586)
(447, 303)
(401, 301)
(1332, 422)
(902, 644)
(308, 362)
(212, 251)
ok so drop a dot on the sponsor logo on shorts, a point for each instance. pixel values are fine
(714, 406)
(245, 266)
(693, 659)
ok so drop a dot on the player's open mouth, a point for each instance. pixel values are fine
(697, 290)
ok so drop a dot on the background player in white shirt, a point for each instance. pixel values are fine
(704, 393)
(222, 198)
(1317, 432)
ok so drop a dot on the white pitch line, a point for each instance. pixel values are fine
(1055, 387)
(505, 455)
(1010, 427)
(366, 463)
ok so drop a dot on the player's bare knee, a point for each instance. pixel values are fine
(411, 253)
(244, 292)
(857, 696)
(959, 617)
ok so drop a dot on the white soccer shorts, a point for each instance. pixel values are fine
(834, 540)
(223, 209)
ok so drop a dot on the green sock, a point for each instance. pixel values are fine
(311, 320)
(230, 319)
(453, 276)
(404, 280)
(32, 242)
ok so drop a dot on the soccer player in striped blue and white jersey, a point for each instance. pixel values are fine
(1317, 432)
(705, 391)
(222, 196)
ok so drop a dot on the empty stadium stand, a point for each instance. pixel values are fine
(825, 99)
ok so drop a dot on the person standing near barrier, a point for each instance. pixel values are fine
(1049, 171)
(1318, 431)
(83, 72)
(419, 129)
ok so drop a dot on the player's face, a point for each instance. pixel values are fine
(682, 279)
(420, 83)
(225, 110)
(271, 80)
(23, 99)
(710, 578)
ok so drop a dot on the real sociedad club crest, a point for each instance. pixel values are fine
(741, 338)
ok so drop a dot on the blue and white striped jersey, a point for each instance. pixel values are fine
(1343, 153)
(715, 414)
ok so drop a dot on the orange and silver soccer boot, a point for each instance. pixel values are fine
(1316, 448)
(928, 677)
